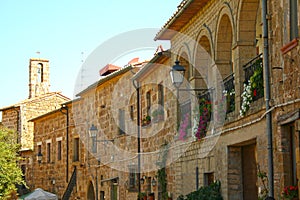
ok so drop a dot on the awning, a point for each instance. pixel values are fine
(39, 194)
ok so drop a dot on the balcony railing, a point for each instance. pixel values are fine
(229, 93)
(254, 73)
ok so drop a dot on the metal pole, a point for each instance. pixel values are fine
(67, 146)
(96, 183)
(138, 110)
(65, 107)
(267, 97)
(138, 138)
(294, 19)
(197, 178)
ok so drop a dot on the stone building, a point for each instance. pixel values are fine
(40, 101)
(221, 44)
(219, 124)
(74, 163)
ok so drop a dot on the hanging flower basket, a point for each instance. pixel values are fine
(202, 119)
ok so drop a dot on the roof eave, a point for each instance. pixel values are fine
(163, 33)
(147, 67)
(104, 79)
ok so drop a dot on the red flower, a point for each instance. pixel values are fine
(254, 92)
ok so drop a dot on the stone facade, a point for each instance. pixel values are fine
(227, 35)
(17, 116)
(218, 44)
(101, 170)
(40, 101)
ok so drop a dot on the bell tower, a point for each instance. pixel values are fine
(39, 80)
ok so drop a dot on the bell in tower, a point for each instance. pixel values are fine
(39, 82)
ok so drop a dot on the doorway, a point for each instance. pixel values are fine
(249, 171)
(114, 191)
(91, 193)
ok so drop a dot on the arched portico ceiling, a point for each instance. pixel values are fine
(203, 60)
(203, 53)
(224, 39)
(184, 52)
(184, 58)
(247, 16)
(224, 43)
(204, 42)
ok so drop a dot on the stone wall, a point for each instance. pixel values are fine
(284, 80)
(33, 108)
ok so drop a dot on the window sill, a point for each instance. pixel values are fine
(288, 47)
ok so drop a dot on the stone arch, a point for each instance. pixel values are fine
(224, 41)
(184, 57)
(248, 15)
(249, 34)
(40, 73)
(90, 191)
(203, 60)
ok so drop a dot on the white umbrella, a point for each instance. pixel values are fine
(40, 194)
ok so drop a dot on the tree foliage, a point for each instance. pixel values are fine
(10, 172)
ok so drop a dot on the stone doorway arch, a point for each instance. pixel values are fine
(90, 192)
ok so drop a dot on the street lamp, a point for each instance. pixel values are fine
(177, 74)
(39, 157)
(93, 131)
(93, 134)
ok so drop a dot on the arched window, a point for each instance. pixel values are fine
(40, 73)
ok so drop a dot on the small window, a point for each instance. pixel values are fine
(148, 101)
(76, 149)
(39, 149)
(149, 184)
(58, 150)
(48, 152)
(40, 72)
(102, 195)
(185, 116)
(132, 112)
(101, 178)
(132, 176)
(161, 95)
(208, 178)
(121, 121)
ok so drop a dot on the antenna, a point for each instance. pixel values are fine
(38, 53)
(82, 59)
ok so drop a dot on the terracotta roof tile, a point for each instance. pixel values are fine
(109, 68)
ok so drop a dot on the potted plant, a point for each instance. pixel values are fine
(142, 196)
(290, 192)
(151, 196)
(146, 120)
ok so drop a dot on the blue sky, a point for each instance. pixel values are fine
(65, 32)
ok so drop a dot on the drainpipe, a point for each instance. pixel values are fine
(268, 97)
(294, 20)
(137, 87)
(65, 107)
